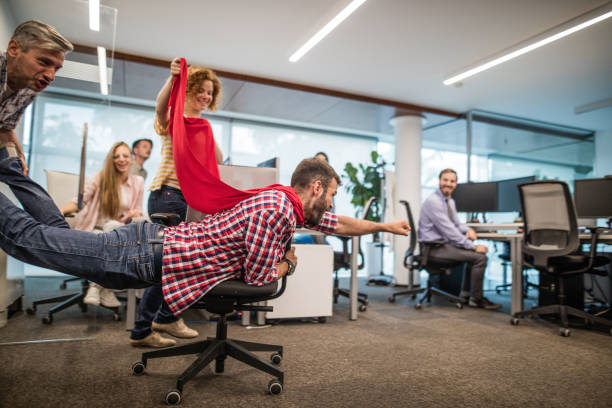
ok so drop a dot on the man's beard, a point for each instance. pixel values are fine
(316, 212)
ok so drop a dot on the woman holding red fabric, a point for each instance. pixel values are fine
(203, 93)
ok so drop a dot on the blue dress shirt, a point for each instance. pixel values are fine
(436, 225)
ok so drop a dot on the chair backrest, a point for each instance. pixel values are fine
(62, 187)
(413, 233)
(551, 227)
(242, 178)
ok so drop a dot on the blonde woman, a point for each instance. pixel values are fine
(203, 94)
(111, 198)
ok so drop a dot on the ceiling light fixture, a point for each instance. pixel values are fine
(94, 15)
(563, 30)
(102, 73)
(353, 5)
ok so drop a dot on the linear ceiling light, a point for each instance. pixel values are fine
(353, 5)
(523, 49)
(102, 73)
(94, 15)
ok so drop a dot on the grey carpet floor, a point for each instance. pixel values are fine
(393, 356)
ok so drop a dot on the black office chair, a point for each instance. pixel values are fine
(424, 261)
(506, 262)
(552, 246)
(343, 260)
(225, 298)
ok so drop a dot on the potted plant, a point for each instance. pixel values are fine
(364, 182)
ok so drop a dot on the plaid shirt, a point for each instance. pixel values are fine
(12, 105)
(242, 243)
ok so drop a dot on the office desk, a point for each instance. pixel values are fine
(353, 283)
(515, 240)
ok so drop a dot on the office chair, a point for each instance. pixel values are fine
(424, 261)
(552, 246)
(343, 260)
(225, 298)
(62, 187)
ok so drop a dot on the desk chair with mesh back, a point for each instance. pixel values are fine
(423, 261)
(551, 245)
(225, 298)
(343, 260)
(62, 188)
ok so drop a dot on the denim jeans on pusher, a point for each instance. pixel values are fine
(152, 306)
(119, 259)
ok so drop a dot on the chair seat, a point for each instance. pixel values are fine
(438, 262)
(238, 289)
(576, 261)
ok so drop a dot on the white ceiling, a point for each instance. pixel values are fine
(394, 49)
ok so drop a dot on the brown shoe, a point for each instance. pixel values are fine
(153, 340)
(177, 329)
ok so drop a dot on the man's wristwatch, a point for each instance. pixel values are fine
(291, 266)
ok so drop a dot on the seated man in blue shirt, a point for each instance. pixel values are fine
(439, 222)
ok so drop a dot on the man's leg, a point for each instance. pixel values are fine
(473, 276)
(34, 199)
(102, 258)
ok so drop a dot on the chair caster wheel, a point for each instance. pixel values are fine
(564, 332)
(391, 299)
(363, 308)
(47, 319)
(31, 310)
(116, 317)
(173, 397)
(62, 286)
(322, 319)
(83, 307)
(418, 306)
(458, 305)
(275, 387)
(514, 321)
(276, 358)
(610, 332)
(138, 368)
(413, 297)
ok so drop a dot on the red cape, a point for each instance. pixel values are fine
(195, 162)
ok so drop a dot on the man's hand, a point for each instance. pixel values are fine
(481, 249)
(282, 267)
(471, 234)
(400, 227)
(9, 136)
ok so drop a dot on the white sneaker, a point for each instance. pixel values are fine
(108, 298)
(93, 295)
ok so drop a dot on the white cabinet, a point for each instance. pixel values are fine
(309, 289)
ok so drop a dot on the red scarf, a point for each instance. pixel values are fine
(196, 165)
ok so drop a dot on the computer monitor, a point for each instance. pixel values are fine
(593, 198)
(508, 199)
(476, 197)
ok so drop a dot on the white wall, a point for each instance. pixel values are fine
(603, 153)
(7, 24)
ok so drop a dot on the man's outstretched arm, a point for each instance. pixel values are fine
(353, 226)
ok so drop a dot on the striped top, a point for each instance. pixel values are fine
(166, 174)
(244, 242)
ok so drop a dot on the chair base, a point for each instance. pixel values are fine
(362, 298)
(218, 349)
(427, 294)
(563, 311)
(65, 301)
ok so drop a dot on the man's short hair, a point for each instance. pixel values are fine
(447, 170)
(141, 140)
(310, 170)
(35, 33)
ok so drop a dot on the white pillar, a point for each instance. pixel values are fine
(408, 136)
(603, 152)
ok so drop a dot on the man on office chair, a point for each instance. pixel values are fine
(439, 222)
(245, 242)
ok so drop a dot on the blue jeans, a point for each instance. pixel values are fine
(119, 259)
(152, 305)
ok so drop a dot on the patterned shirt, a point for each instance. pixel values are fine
(166, 173)
(244, 242)
(12, 105)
